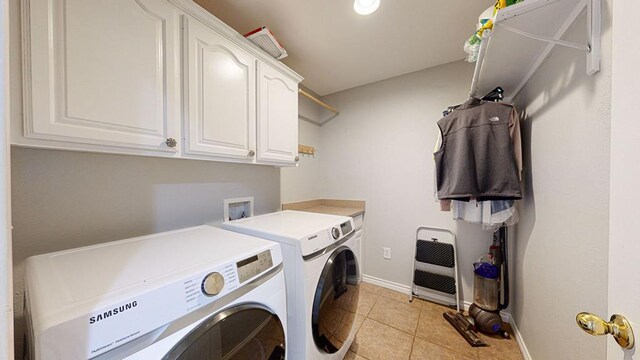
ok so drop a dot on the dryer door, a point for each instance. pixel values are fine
(335, 301)
(244, 332)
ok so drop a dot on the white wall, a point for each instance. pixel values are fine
(304, 181)
(379, 149)
(6, 267)
(562, 240)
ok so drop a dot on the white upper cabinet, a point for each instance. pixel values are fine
(152, 77)
(277, 117)
(102, 73)
(220, 88)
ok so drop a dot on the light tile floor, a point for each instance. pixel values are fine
(389, 327)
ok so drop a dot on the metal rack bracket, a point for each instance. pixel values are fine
(565, 43)
(594, 29)
(508, 20)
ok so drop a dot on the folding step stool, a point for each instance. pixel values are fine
(435, 268)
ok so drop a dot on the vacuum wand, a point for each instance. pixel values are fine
(464, 327)
(505, 267)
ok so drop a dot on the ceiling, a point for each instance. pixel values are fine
(336, 49)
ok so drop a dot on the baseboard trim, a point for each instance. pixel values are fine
(386, 284)
(506, 317)
(523, 348)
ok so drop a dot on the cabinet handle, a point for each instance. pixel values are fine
(251, 153)
(297, 158)
(171, 142)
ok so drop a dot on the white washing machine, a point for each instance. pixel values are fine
(197, 293)
(322, 273)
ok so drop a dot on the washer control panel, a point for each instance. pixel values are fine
(254, 265)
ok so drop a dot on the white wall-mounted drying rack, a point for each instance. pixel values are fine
(522, 38)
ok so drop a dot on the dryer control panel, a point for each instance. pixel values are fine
(254, 265)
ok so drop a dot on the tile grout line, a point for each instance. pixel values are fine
(366, 316)
(413, 343)
(413, 336)
(396, 328)
(404, 332)
(371, 308)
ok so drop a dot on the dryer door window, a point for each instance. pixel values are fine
(335, 301)
(245, 332)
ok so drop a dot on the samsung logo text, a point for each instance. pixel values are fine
(113, 312)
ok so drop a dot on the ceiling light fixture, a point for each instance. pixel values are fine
(365, 7)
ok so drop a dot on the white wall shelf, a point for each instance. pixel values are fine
(524, 35)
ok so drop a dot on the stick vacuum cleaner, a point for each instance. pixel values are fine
(490, 275)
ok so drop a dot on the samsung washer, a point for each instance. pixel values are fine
(197, 293)
(322, 275)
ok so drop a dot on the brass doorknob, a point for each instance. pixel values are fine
(618, 326)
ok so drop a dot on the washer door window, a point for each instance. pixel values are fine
(335, 301)
(246, 332)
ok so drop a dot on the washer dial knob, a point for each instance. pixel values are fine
(335, 232)
(212, 284)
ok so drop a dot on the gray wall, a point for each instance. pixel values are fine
(379, 149)
(304, 181)
(62, 200)
(562, 241)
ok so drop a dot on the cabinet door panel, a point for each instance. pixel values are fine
(277, 117)
(221, 95)
(102, 72)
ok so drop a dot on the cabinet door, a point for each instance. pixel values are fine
(220, 90)
(277, 117)
(102, 73)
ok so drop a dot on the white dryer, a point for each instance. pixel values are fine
(197, 293)
(322, 274)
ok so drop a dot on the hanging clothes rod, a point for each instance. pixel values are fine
(318, 101)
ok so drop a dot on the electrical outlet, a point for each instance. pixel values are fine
(387, 253)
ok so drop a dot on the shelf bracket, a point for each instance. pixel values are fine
(594, 28)
(565, 43)
(592, 48)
